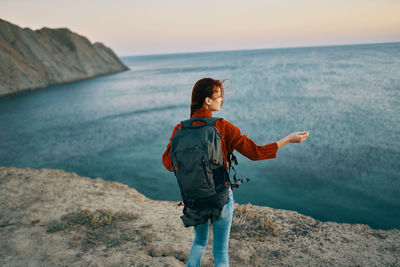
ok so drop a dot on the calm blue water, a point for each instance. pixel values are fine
(117, 126)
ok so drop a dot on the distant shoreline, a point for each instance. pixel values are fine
(20, 92)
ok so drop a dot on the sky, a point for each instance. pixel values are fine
(138, 27)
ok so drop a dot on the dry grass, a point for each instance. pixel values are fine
(99, 218)
(101, 227)
(248, 223)
(266, 225)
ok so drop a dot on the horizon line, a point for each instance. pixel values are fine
(255, 49)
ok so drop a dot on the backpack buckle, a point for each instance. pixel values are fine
(175, 168)
(189, 203)
(239, 182)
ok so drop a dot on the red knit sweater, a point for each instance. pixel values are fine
(231, 139)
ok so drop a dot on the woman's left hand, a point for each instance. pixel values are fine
(298, 137)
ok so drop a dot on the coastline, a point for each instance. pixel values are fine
(149, 232)
(41, 58)
(25, 90)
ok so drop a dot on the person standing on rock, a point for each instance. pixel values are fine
(207, 97)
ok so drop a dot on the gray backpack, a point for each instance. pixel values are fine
(199, 166)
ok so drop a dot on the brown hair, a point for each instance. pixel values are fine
(202, 89)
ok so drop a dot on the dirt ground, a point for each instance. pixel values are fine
(54, 218)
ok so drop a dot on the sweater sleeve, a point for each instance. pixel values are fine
(166, 157)
(245, 146)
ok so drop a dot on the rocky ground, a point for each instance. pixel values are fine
(54, 218)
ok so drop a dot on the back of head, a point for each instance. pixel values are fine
(202, 89)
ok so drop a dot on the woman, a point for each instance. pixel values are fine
(207, 96)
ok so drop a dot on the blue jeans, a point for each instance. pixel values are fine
(221, 230)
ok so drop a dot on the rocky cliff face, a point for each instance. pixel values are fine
(55, 218)
(34, 59)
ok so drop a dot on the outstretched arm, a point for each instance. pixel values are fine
(234, 140)
(296, 137)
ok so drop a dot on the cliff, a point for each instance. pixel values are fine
(34, 59)
(54, 218)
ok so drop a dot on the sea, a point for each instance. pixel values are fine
(117, 126)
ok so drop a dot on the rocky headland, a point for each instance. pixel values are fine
(55, 218)
(31, 59)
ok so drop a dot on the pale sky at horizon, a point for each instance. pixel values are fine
(176, 26)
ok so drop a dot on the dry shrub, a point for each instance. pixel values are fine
(248, 223)
(101, 227)
(98, 218)
(267, 226)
